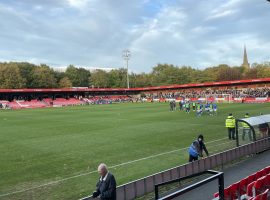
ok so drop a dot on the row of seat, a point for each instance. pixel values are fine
(255, 187)
(63, 101)
(47, 102)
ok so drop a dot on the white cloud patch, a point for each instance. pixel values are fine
(224, 13)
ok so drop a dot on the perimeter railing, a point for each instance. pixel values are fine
(143, 186)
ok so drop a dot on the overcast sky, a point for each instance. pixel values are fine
(93, 33)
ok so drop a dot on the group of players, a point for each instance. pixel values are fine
(199, 107)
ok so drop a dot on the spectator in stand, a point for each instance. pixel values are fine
(106, 186)
(197, 93)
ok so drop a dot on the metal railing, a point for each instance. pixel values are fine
(215, 175)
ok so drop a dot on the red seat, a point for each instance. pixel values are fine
(251, 178)
(267, 169)
(259, 174)
(250, 189)
(251, 186)
(259, 186)
(234, 190)
(265, 195)
(262, 196)
(243, 186)
(227, 193)
(216, 195)
(267, 181)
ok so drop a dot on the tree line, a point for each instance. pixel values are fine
(15, 75)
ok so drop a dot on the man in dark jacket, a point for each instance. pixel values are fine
(106, 186)
(196, 149)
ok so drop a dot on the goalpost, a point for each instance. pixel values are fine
(221, 98)
(227, 98)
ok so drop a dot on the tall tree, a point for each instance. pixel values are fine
(26, 70)
(84, 76)
(65, 83)
(10, 77)
(72, 74)
(79, 77)
(251, 73)
(140, 80)
(100, 79)
(118, 78)
(44, 77)
(226, 73)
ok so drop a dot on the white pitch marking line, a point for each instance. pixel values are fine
(91, 172)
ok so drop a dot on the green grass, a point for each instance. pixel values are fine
(45, 145)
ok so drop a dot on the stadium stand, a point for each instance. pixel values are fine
(31, 104)
(255, 186)
(58, 102)
(67, 102)
(199, 93)
(14, 105)
(107, 99)
(245, 91)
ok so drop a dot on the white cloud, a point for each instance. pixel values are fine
(224, 13)
(80, 4)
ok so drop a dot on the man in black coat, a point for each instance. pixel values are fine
(106, 186)
(196, 149)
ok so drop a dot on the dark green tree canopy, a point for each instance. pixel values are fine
(27, 75)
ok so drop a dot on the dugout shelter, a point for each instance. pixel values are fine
(257, 127)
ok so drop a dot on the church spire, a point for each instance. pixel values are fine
(245, 64)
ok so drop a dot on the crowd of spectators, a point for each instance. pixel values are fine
(200, 93)
(107, 99)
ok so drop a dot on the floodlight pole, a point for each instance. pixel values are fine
(126, 56)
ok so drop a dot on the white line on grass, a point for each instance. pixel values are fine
(91, 172)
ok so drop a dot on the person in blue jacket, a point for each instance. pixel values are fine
(196, 149)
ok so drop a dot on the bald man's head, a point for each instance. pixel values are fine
(102, 169)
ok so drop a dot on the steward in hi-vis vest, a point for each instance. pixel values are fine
(230, 124)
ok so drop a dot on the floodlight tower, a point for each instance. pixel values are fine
(126, 56)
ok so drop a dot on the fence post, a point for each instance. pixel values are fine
(221, 186)
(156, 192)
(236, 133)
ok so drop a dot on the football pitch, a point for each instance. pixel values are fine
(53, 153)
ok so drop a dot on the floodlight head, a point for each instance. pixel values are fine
(126, 54)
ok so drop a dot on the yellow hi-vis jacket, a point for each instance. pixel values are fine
(230, 122)
(245, 125)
